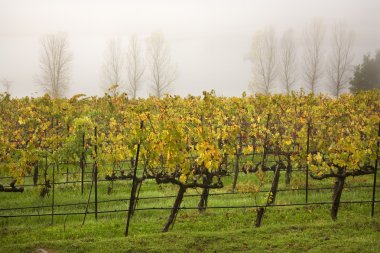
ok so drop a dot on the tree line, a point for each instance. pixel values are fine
(119, 70)
(325, 63)
(278, 64)
(127, 69)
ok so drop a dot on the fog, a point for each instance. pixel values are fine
(209, 40)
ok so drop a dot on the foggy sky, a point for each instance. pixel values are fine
(209, 40)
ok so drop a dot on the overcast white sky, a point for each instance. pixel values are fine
(209, 40)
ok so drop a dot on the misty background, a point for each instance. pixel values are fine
(209, 41)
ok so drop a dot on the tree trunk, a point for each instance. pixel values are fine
(35, 175)
(202, 205)
(338, 188)
(271, 198)
(274, 186)
(11, 189)
(175, 209)
(259, 217)
(137, 195)
(288, 174)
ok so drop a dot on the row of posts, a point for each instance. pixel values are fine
(134, 182)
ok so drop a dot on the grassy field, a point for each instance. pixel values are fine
(284, 229)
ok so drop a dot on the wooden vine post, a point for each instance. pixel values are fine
(375, 175)
(53, 176)
(237, 157)
(134, 185)
(93, 181)
(307, 165)
(81, 163)
(53, 190)
(96, 173)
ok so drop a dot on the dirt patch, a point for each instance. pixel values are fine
(44, 250)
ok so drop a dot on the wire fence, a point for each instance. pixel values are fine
(173, 196)
(55, 209)
(188, 208)
(135, 197)
(126, 200)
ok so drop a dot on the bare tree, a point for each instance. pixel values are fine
(6, 84)
(113, 67)
(313, 37)
(161, 69)
(135, 67)
(263, 58)
(341, 58)
(288, 66)
(55, 64)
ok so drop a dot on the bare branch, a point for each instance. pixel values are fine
(6, 84)
(314, 36)
(135, 67)
(113, 67)
(263, 58)
(288, 66)
(55, 64)
(162, 71)
(341, 57)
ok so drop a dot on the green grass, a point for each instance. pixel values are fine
(284, 229)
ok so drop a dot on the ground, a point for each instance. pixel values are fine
(284, 229)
